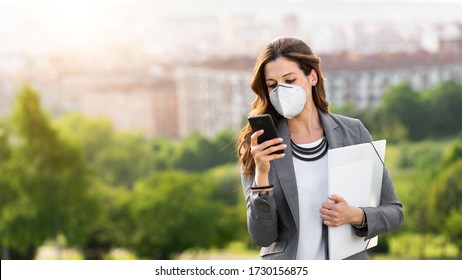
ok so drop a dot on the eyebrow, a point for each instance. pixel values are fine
(282, 76)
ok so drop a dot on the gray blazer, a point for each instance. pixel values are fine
(273, 220)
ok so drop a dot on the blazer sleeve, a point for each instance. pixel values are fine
(261, 214)
(389, 214)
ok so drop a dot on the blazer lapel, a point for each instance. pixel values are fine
(333, 134)
(286, 173)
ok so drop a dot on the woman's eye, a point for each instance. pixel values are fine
(272, 86)
(290, 81)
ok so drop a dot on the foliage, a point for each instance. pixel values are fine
(453, 228)
(418, 156)
(43, 182)
(109, 226)
(400, 113)
(406, 114)
(162, 151)
(430, 188)
(446, 193)
(92, 135)
(119, 159)
(197, 153)
(174, 211)
(4, 147)
(445, 115)
(228, 192)
(125, 159)
(415, 245)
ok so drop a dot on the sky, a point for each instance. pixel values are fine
(85, 20)
(328, 10)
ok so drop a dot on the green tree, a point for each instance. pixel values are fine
(162, 149)
(198, 153)
(232, 226)
(453, 227)
(454, 154)
(44, 180)
(127, 158)
(173, 211)
(92, 134)
(400, 114)
(446, 193)
(445, 115)
(4, 146)
(225, 147)
(117, 158)
(109, 226)
(194, 153)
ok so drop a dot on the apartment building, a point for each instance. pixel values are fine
(217, 94)
(211, 99)
(129, 102)
(361, 80)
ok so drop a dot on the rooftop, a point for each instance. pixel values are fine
(351, 61)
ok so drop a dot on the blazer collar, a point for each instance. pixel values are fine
(332, 130)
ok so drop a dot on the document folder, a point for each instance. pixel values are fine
(355, 173)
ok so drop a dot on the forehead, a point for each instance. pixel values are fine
(276, 69)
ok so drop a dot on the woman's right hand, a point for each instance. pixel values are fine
(261, 154)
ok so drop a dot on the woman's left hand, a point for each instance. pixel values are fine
(337, 212)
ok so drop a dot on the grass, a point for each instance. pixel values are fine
(234, 251)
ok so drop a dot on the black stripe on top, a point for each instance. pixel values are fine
(310, 154)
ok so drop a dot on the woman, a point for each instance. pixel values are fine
(290, 212)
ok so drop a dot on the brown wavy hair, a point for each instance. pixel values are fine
(294, 50)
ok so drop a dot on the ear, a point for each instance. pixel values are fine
(313, 77)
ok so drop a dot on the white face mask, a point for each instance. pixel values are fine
(288, 100)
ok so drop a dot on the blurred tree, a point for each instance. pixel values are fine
(227, 181)
(453, 228)
(445, 115)
(224, 142)
(445, 194)
(454, 154)
(163, 150)
(174, 211)
(117, 158)
(198, 153)
(93, 135)
(228, 192)
(400, 114)
(194, 153)
(4, 145)
(127, 158)
(44, 180)
(110, 224)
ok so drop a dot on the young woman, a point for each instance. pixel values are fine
(289, 214)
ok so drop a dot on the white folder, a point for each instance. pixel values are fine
(355, 173)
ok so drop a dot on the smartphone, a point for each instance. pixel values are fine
(266, 123)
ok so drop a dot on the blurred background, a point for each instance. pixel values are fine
(118, 119)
